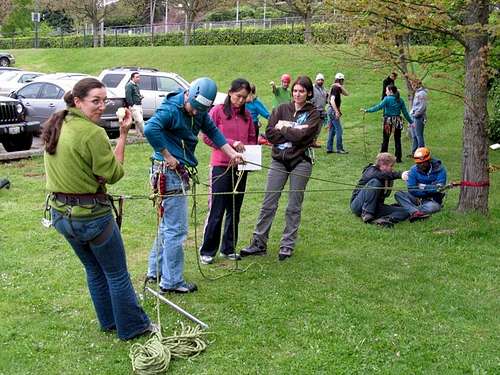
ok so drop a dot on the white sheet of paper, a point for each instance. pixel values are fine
(253, 153)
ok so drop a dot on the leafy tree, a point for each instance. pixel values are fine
(463, 29)
(305, 9)
(58, 19)
(19, 19)
(195, 9)
(93, 11)
(5, 9)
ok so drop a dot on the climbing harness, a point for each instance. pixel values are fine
(89, 201)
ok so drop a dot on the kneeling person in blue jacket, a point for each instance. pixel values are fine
(173, 134)
(425, 180)
(374, 186)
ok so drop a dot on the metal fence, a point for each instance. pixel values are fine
(159, 28)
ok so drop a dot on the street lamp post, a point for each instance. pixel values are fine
(166, 16)
(265, 13)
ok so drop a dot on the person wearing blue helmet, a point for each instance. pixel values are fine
(173, 134)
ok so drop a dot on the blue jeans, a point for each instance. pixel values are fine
(369, 200)
(171, 236)
(99, 245)
(417, 133)
(414, 204)
(335, 130)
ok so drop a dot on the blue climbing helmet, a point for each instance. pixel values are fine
(201, 93)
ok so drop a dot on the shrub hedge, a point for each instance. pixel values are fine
(321, 33)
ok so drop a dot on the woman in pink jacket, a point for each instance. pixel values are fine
(235, 122)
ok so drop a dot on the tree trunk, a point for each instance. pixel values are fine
(152, 8)
(187, 29)
(307, 28)
(403, 48)
(95, 33)
(475, 139)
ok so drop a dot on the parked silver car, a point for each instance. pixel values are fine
(12, 80)
(7, 59)
(44, 96)
(154, 85)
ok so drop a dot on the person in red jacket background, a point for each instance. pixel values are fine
(235, 122)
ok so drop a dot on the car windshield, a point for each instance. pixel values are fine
(112, 80)
(183, 80)
(7, 76)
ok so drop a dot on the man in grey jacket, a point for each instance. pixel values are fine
(419, 114)
(319, 100)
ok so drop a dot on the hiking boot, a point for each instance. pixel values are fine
(253, 250)
(383, 222)
(418, 215)
(367, 217)
(285, 252)
(184, 288)
(206, 259)
(232, 256)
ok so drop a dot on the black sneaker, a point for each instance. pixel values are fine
(184, 288)
(383, 222)
(232, 256)
(367, 217)
(342, 152)
(285, 252)
(253, 250)
(151, 280)
(4, 183)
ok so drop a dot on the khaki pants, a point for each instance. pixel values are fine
(138, 119)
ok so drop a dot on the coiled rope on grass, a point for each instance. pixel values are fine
(154, 356)
(150, 358)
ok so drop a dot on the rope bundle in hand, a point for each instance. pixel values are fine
(153, 358)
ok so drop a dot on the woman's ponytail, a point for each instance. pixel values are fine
(52, 127)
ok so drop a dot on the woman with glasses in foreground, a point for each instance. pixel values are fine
(78, 164)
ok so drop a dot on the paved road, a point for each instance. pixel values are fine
(37, 147)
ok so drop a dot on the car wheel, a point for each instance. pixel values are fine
(18, 142)
(4, 61)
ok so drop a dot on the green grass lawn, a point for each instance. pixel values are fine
(354, 299)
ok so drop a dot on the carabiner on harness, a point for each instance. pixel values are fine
(47, 216)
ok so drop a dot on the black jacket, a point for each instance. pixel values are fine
(371, 171)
